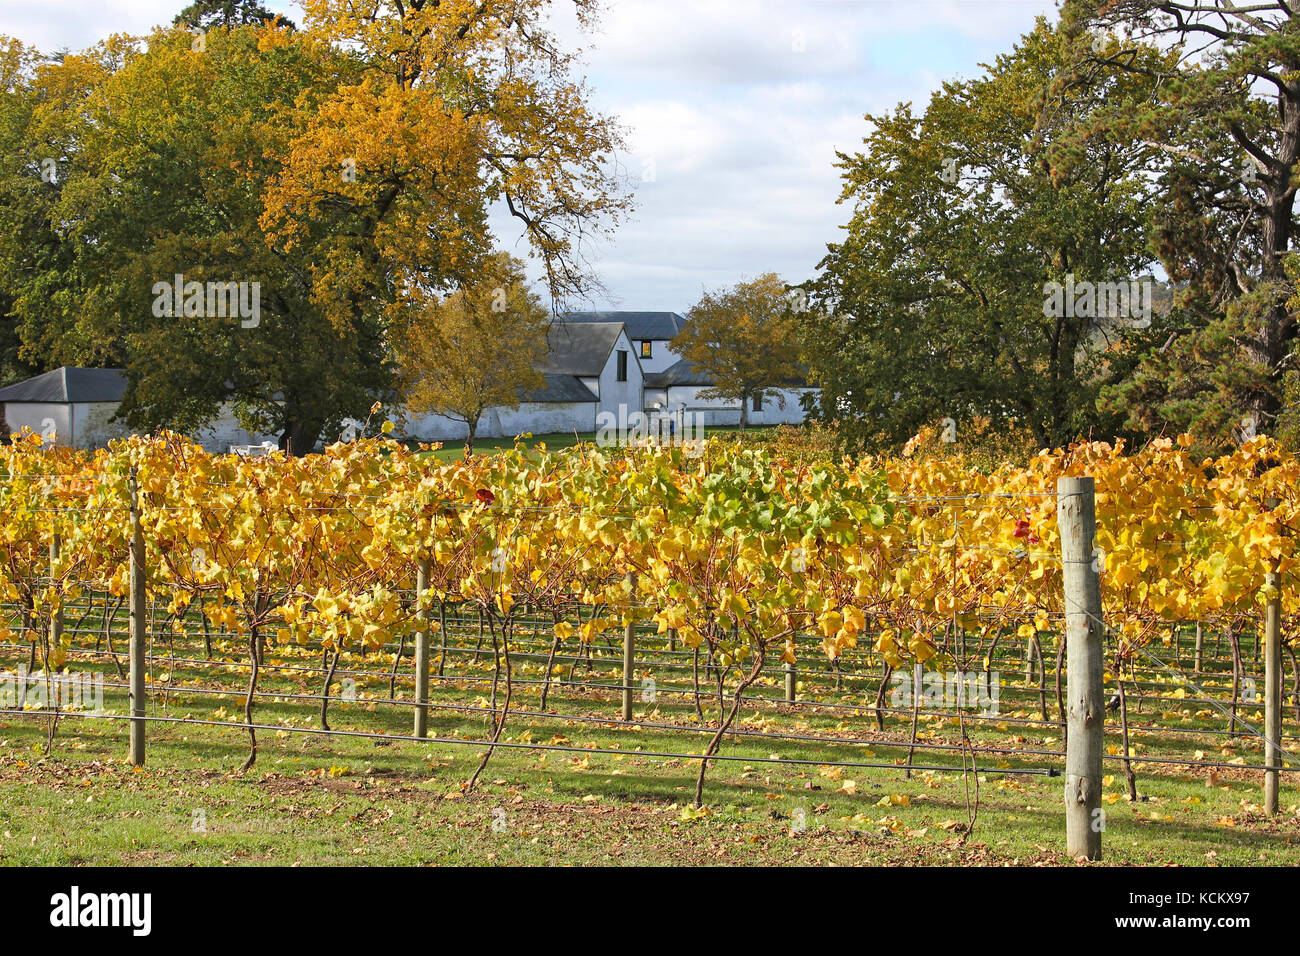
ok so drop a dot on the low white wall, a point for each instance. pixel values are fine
(88, 425)
(224, 431)
(92, 427)
(42, 418)
(539, 418)
(774, 414)
(716, 412)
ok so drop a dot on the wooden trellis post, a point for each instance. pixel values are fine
(629, 654)
(1077, 521)
(56, 618)
(138, 627)
(421, 650)
(1272, 683)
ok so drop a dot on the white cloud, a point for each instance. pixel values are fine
(52, 25)
(742, 104)
(59, 24)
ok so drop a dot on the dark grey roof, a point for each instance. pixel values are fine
(69, 384)
(561, 388)
(681, 372)
(579, 348)
(641, 326)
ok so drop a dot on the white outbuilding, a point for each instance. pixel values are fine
(72, 407)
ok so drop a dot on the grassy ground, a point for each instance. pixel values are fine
(453, 450)
(346, 800)
(316, 802)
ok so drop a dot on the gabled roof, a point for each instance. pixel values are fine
(579, 348)
(69, 385)
(561, 388)
(681, 372)
(641, 326)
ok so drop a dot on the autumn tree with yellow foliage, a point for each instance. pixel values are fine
(459, 104)
(745, 338)
(479, 347)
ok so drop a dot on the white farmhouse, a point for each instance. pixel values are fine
(598, 354)
(676, 391)
(650, 333)
(600, 367)
(589, 368)
(74, 407)
(68, 406)
(673, 384)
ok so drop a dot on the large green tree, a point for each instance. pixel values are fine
(346, 169)
(1222, 124)
(935, 303)
(16, 103)
(38, 278)
(205, 14)
(159, 157)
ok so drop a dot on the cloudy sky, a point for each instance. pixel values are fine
(734, 111)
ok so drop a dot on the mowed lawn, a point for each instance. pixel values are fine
(452, 450)
(351, 800)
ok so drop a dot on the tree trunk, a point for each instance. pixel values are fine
(550, 660)
(502, 654)
(1123, 719)
(325, 693)
(880, 695)
(725, 721)
(300, 436)
(1238, 670)
(1277, 327)
(253, 663)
